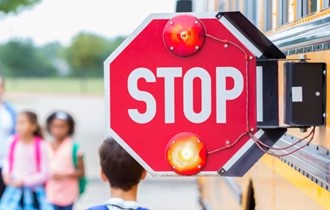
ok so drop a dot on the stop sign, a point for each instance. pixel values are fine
(181, 94)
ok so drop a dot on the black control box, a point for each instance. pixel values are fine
(304, 93)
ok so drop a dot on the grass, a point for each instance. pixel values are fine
(55, 85)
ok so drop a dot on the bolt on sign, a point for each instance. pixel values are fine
(181, 94)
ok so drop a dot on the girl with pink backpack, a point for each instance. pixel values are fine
(25, 171)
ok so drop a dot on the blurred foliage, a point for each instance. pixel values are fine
(7, 6)
(84, 57)
(22, 58)
(52, 50)
(88, 51)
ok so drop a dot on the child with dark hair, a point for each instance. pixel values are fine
(26, 169)
(123, 174)
(66, 162)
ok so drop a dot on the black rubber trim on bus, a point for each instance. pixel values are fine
(307, 49)
(312, 161)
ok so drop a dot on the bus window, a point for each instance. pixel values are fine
(251, 10)
(230, 5)
(291, 11)
(302, 8)
(221, 5)
(283, 11)
(312, 6)
(267, 17)
(326, 4)
(237, 5)
(200, 6)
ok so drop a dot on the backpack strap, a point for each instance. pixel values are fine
(11, 153)
(37, 153)
(75, 148)
(100, 207)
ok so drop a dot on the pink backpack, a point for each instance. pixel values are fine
(12, 150)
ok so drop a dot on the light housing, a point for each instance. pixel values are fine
(184, 35)
(186, 153)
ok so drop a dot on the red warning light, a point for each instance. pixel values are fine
(184, 35)
(186, 153)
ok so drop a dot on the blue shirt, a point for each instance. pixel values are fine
(7, 128)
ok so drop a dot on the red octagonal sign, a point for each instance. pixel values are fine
(181, 94)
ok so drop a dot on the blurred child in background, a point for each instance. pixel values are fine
(7, 127)
(25, 170)
(66, 162)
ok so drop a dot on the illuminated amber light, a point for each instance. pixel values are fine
(184, 35)
(186, 154)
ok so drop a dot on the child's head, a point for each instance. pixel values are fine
(60, 125)
(118, 167)
(27, 124)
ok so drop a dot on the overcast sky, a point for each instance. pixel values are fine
(60, 20)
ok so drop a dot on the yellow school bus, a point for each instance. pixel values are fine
(301, 29)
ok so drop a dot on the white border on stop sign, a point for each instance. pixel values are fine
(124, 44)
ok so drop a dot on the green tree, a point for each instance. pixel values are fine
(54, 52)
(52, 49)
(7, 6)
(84, 56)
(22, 58)
(113, 44)
(87, 52)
